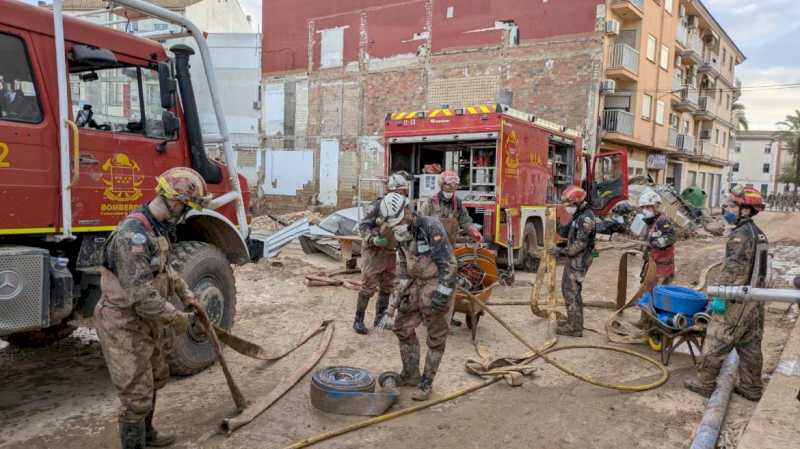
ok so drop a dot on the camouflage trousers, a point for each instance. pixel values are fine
(416, 309)
(377, 271)
(742, 328)
(135, 351)
(571, 287)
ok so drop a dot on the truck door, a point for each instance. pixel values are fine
(28, 165)
(608, 180)
(123, 146)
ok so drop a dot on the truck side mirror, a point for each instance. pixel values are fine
(167, 85)
(170, 122)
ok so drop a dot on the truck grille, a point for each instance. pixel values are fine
(23, 289)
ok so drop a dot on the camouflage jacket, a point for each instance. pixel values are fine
(740, 253)
(580, 235)
(428, 254)
(368, 226)
(661, 234)
(442, 208)
(137, 254)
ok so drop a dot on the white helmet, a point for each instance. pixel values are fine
(393, 207)
(649, 197)
(397, 181)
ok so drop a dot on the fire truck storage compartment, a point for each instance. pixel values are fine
(562, 156)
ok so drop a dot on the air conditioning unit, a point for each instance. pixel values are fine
(691, 22)
(612, 26)
(682, 10)
(608, 87)
(705, 134)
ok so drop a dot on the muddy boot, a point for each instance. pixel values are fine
(409, 355)
(361, 308)
(747, 394)
(432, 361)
(694, 384)
(153, 437)
(132, 434)
(424, 391)
(380, 310)
(568, 330)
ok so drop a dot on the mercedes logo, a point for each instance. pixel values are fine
(10, 284)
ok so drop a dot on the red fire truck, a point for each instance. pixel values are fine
(89, 116)
(512, 166)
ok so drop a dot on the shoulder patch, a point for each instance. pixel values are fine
(138, 239)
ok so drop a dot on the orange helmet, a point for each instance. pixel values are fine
(185, 185)
(449, 177)
(747, 196)
(573, 195)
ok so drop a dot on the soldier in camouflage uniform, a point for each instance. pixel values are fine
(134, 317)
(450, 210)
(426, 270)
(377, 258)
(738, 325)
(580, 235)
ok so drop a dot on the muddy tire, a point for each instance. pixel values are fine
(307, 245)
(530, 244)
(208, 272)
(40, 338)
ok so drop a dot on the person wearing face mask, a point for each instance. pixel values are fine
(426, 279)
(450, 210)
(738, 325)
(660, 237)
(135, 312)
(377, 257)
(580, 235)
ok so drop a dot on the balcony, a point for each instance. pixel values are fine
(707, 148)
(711, 65)
(628, 9)
(693, 50)
(681, 142)
(623, 63)
(687, 99)
(682, 35)
(737, 89)
(618, 121)
(709, 109)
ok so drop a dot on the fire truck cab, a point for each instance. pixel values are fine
(512, 165)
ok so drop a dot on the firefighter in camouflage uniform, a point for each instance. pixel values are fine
(426, 272)
(738, 325)
(449, 209)
(580, 235)
(378, 257)
(660, 237)
(135, 318)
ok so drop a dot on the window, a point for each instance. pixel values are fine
(647, 106)
(768, 148)
(109, 100)
(160, 26)
(764, 188)
(735, 167)
(738, 148)
(18, 99)
(674, 122)
(651, 47)
(728, 102)
(331, 49)
(716, 135)
(724, 138)
(668, 5)
(724, 56)
(664, 57)
(731, 64)
(692, 178)
(660, 112)
(765, 168)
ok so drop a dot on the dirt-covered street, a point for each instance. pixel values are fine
(61, 397)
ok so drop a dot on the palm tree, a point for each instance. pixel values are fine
(739, 116)
(789, 135)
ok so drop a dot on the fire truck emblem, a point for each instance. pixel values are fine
(122, 179)
(511, 156)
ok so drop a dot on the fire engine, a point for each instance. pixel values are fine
(512, 165)
(89, 116)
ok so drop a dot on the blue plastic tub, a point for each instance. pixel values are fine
(677, 299)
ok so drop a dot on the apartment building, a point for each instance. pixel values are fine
(757, 160)
(669, 91)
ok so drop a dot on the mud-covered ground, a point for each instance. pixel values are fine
(61, 397)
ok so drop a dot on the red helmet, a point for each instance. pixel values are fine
(747, 196)
(573, 195)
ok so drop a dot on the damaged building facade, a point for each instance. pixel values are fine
(332, 71)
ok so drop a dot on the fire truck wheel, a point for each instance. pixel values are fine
(208, 272)
(529, 259)
(40, 338)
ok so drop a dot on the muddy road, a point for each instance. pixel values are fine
(61, 397)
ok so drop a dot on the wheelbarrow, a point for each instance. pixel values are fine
(477, 273)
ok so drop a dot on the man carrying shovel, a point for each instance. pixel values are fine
(134, 313)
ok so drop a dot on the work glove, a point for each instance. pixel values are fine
(476, 235)
(440, 299)
(182, 322)
(380, 241)
(718, 305)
